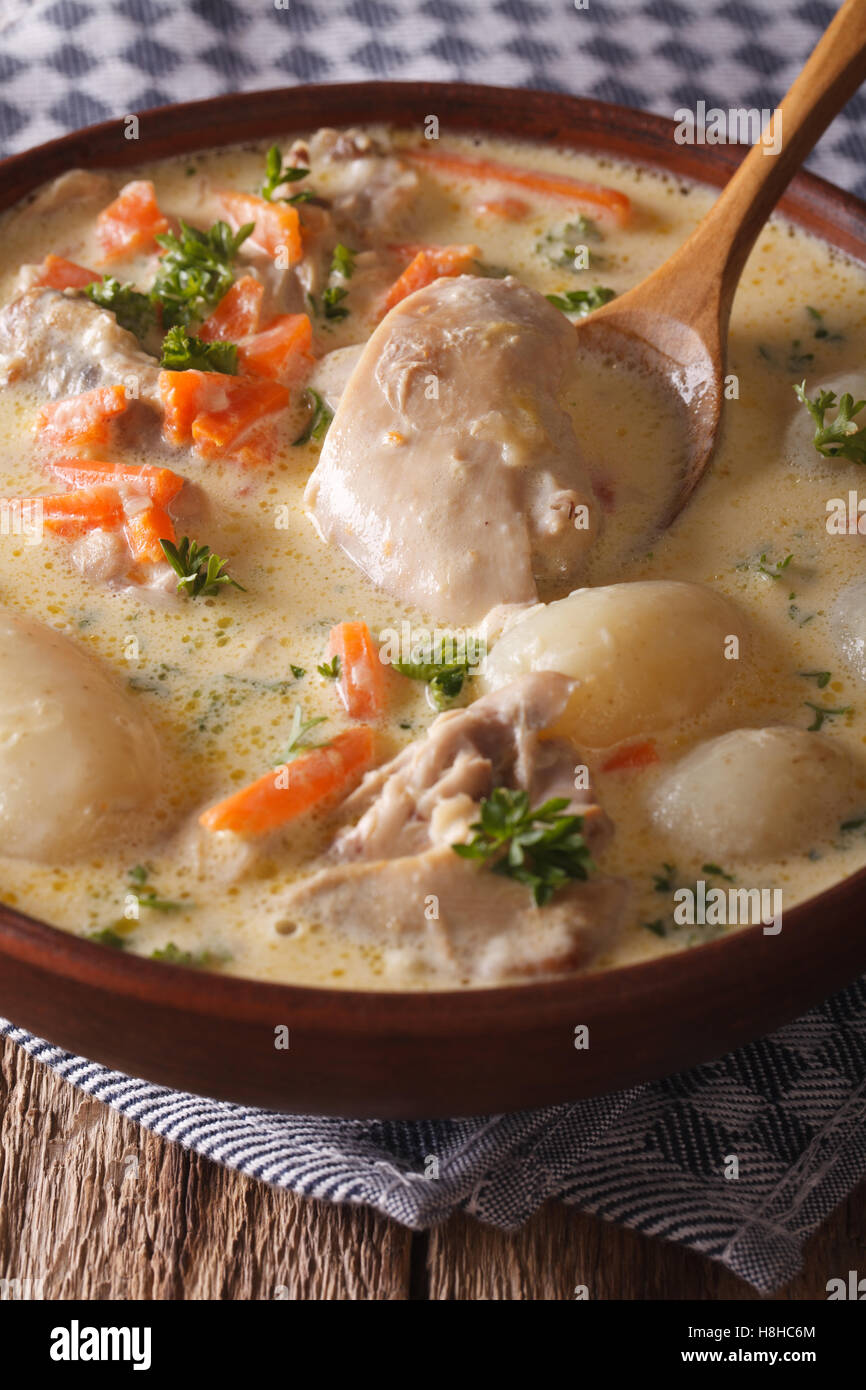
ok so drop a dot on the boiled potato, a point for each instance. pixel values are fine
(647, 655)
(754, 794)
(78, 761)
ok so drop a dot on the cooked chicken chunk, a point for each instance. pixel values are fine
(366, 185)
(65, 345)
(400, 885)
(451, 474)
(75, 186)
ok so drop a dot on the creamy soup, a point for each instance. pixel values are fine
(440, 601)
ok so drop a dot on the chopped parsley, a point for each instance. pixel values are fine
(138, 876)
(182, 352)
(192, 960)
(330, 669)
(773, 569)
(332, 302)
(200, 572)
(822, 714)
(582, 302)
(444, 681)
(319, 422)
(196, 270)
(842, 439)
(299, 742)
(276, 174)
(297, 672)
(821, 678)
(561, 248)
(107, 936)
(133, 310)
(343, 261)
(717, 872)
(542, 848)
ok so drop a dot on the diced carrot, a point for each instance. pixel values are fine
(361, 682)
(72, 514)
(215, 412)
(277, 229)
(509, 209)
(429, 265)
(131, 222)
(608, 202)
(160, 484)
(237, 313)
(80, 421)
(633, 756)
(59, 274)
(144, 528)
(281, 350)
(280, 796)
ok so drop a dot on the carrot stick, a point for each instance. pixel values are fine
(606, 201)
(56, 273)
(71, 514)
(237, 313)
(278, 227)
(82, 420)
(281, 795)
(633, 756)
(160, 484)
(131, 222)
(430, 264)
(144, 529)
(361, 682)
(281, 350)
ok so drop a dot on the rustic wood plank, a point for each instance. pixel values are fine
(561, 1248)
(98, 1209)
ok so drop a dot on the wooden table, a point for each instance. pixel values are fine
(97, 1208)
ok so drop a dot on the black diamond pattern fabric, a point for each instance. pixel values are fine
(788, 1110)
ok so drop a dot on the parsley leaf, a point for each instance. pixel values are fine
(107, 936)
(332, 302)
(298, 740)
(581, 302)
(199, 570)
(444, 681)
(276, 174)
(842, 438)
(821, 678)
(297, 672)
(133, 310)
(319, 422)
(182, 352)
(330, 669)
(193, 960)
(196, 270)
(773, 568)
(542, 848)
(343, 261)
(822, 714)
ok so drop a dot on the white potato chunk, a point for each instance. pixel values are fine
(79, 762)
(647, 655)
(754, 794)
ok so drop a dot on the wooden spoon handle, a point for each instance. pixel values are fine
(831, 76)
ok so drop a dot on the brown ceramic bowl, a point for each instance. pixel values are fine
(443, 1053)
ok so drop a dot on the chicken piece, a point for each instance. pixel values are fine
(75, 186)
(66, 345)
(397, 882)
(451, 474)
(367, 186)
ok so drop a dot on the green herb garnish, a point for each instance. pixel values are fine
(343, 261)
(541, 848)
(196, 270)
(193, 960)
(445, 680)
(822, 714)
(330, 669)
(133, 310)
(664, 882)
(319, 422)
(298, 740)
(108, 937)
(332, 302)
(582, 302)
(277, 174)
(182, 352)
(821, 678)
(841, 439)
(297, 672)
(200, 571)
(773, 569)
(138, 876)
(717, 872)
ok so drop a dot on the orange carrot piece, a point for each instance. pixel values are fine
(160, 484)
(282, 349)
(608, 202)
(429, 264)
(82, 420)
(509, 209)
(237, 313)
(56, 273)
(144, 529)
(631, 757)
(361, 682)
(278, 227)
(213, 411)
(281, 795)
(72, 514)
(131, 222)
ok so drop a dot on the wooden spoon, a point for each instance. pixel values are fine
(676, 321)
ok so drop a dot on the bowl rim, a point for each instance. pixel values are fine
(618, 132)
